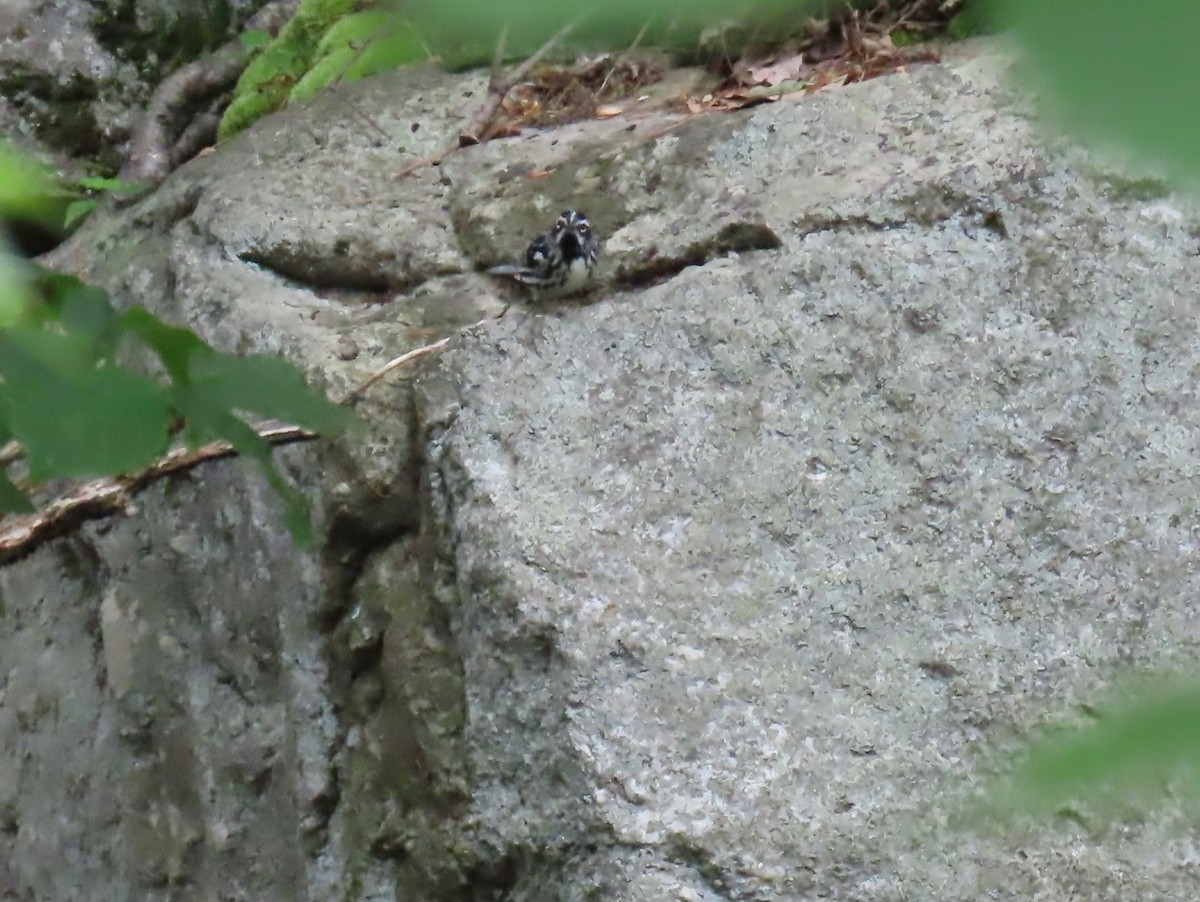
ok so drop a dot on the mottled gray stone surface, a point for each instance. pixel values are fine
(875, 449)
(75, 75)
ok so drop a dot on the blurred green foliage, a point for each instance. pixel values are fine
(973, 20)
(84, 197)
(1116, 70)
(31, 192)
(334, 40)
(361, 45)
(1125, 73)
(464, 32)
(325, 42)
(1135, 748)
(267, 81)
(78, 412)
(24, 186)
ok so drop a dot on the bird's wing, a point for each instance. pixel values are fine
(541, 251)
(520, 273)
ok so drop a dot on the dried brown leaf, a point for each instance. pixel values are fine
(791, 68)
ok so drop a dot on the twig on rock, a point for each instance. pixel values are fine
(112, 494)
(394, 364)
(408, 357)
(334, 88)
(477, 132)
(498, 60)
(625, 54)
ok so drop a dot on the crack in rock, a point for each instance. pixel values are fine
(312, 271)
(735, 237)
(925, 209)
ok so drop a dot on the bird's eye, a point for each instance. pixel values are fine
(582, 228)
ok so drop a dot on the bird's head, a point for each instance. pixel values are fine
(572, 231)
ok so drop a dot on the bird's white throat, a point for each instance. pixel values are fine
(577, 275)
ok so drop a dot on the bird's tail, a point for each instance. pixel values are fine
(522, 274)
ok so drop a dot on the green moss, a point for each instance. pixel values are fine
(315, 17)
(279, 62)
(266, 84)
(325, 42)
(392, 48)
(358, 46)
(355, 31)
(244, 111)
(1145, 189)
(325, 72)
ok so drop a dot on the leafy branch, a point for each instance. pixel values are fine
(78, 413)
(113, 494)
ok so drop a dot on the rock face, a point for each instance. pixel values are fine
(872, 452)
(76, 74)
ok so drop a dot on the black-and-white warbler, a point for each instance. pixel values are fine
(560, 262)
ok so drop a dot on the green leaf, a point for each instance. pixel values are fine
(969, 23)
(86, 311)
(208, 419)
(99, 183)
(355, 31)
(82, 310)
(24, 185)
(75, 419)
(1135, 750)
(52, 289)
(176, 347)
(46, 349)
(77, 211)
(327, 71)
(398, 48)
(12, 499)
(252, 40)
(1116, 69)
(266, 386)
(16, 290)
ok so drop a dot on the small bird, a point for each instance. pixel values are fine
(560, 262)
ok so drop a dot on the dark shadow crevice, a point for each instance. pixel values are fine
(734, 238)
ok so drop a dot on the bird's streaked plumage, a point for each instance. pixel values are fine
(560, 262)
